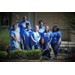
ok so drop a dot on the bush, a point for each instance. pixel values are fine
(3, 54)
(25, 54)
(4, 39)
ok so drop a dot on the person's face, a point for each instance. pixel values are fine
(28, 28)
(42, 41)
(15, 27)
(24, 18)
(27, 25)
(36, 28)
(41, 24)
(16, 23)
(55, 29)
(47, 28)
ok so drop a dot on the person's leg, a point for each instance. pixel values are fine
(36, 47)
(27, 47)
(56, 47)
(47, 52)
(32, 47)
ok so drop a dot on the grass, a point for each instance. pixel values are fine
(4, 39)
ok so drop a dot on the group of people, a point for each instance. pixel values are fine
(24, 37)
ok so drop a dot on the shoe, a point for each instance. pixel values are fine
(50, 59)
(55, 58)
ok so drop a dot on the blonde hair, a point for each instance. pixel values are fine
(37, 27)
(48, 28)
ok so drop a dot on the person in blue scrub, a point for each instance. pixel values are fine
(17, 29)
(35, 37)
(41, 27)
(22, 25)
(56, 40)
(43, 47)
(27, 38)
(15, 39)
(47, 35)
(23, 31)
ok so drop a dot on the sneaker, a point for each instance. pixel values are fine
(50, 59)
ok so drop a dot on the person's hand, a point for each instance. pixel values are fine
(35, 41)
(25, 43)
(57, 43)
(43, 51)
(47, 43)
(18, 40)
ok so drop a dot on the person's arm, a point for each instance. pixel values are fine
(59, 41)
(16, 47)
(44, 50)
(38, 39)
(33, 40)
(19, 40)
(24, 41)
(49, 41)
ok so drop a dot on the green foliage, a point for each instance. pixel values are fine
(4, 39)
(3, 54)
(70, 22)
(17, 16)
(25, 54)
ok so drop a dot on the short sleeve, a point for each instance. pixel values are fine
(51, 35)
(59, 34)
(10, 29)
(13, 34)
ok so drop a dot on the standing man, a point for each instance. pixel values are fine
(22, 25)
(41, 27)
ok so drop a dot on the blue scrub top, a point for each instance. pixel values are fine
(17, 29)
(13, 42)
(22, 25)
(35, 36)
(27, 35)
(41, 30)
(47, 36)
(56, 36)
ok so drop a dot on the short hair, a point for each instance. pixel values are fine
(14, 25)
(40, 21)
(48, 28)
(55, 27)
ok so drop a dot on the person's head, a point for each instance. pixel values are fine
(28, 28)
(37, 28)
(42, 42)
(41, 23)
(16, 23)
(14, 27)
(55, 28)
(27, 24)
(47, 29)
(24, 18)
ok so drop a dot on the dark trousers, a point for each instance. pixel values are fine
(55, 48)
(47, 52)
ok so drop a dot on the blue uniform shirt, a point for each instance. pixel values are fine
(56, 36)
(35, 36)
(22, 25)
(27, 35)
(17, 29)
(41, 30)
(13, 42)
(47, 36)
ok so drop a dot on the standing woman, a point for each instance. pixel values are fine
(47, 35)
(35, 37)
(56, 40)
(27, 38)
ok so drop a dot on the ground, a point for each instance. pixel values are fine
(62, 57)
